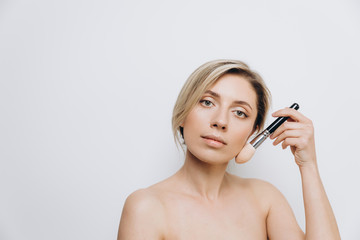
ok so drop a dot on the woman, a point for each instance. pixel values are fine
(221, 105)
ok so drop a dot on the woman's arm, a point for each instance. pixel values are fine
(298, 133)
(320, 219)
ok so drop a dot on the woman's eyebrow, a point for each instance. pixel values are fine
(214, 94)
(243, 103)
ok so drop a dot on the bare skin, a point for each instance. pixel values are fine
(203, 201)
(177, 211)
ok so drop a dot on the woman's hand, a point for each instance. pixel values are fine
(298, 133)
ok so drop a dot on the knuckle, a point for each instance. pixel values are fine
(309, 130)
(310, 123)
(302, 141)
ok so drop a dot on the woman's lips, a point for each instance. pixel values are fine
(214, 141)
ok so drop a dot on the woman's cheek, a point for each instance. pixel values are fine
(243, 135)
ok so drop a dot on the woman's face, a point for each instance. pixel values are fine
(218, 127)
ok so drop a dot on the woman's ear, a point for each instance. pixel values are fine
(182, 123)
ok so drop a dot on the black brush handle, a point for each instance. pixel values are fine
(280, 120)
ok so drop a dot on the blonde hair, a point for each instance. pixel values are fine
(204, 77)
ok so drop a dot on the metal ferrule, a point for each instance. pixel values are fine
(259, 139)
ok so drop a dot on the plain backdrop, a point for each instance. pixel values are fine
(87, 90)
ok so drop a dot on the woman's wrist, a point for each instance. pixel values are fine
(310, 166)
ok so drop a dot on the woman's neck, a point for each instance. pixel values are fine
(204, 179)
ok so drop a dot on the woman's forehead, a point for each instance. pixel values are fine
(235, 87)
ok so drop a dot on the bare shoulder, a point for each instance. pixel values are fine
(264, 191)
(256, 185)
(142, 201)
(142, 216)
(263, 187)
(280, 220)
(148, 199)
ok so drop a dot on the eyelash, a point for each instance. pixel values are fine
(205, 101)
(244, 114)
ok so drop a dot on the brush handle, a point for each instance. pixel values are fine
(260, 138)
(280, 120)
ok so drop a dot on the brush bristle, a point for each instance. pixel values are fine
(246, 154)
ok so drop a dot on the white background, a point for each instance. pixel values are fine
(87, 90)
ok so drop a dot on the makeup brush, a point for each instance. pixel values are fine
(249, 149)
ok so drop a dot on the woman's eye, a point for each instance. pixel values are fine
(206, 103)
(240, 114)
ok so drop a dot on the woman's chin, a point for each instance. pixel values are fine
(211, 157)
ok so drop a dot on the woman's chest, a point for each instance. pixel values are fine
(240, 218)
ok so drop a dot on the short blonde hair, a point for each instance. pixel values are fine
(204, 77)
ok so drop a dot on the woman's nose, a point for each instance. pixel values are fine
(220, 121)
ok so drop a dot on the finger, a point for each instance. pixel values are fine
(288, 125)
(291, 113)
(290, 120)
(289, 142)
(287, 134)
